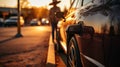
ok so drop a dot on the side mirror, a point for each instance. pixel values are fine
(75, 29)
(80, 29)
(60, 15)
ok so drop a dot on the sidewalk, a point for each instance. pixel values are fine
(53, 59)
(51, 54)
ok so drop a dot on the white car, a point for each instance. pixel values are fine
(12, 21)
(35, 22)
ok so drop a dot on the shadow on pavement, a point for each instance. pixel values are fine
(8, 39)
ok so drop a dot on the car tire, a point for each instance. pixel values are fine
(73, 54)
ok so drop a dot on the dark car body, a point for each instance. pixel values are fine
(90, 36)
(1, 22)
(13, 20)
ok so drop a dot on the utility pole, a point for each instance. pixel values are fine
(18, 23)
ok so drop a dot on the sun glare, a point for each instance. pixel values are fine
(35, 3)
(38, 3)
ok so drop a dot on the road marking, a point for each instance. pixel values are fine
(93, 61)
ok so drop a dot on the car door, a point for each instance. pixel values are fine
(103, 48)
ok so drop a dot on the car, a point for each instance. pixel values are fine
(35, 22)
(45, 21)
(1, 22)
(12, 21)
(89, 34)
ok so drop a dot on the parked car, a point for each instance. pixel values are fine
(1, 22)
(90, 33)
(45, 21)
(12, 21)
(35, 22)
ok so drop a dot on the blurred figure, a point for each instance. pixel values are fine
(52, 16)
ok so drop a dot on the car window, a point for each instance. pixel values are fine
(13, 18)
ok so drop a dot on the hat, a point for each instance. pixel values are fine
(54, 2)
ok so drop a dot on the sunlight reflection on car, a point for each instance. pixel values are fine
(45, 21)
(35, 22)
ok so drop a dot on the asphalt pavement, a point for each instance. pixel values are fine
(27, 51)
(31, 50)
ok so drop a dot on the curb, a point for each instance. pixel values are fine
(51, 54)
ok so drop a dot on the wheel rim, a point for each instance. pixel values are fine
(72, 55)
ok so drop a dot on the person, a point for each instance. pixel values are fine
(52, 16)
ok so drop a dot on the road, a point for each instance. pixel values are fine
(27, 51)
(61, 60)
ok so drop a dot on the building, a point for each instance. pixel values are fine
(5, 12)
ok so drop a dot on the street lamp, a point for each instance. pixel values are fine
(18, 23)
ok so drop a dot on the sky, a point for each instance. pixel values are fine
(37, 3)
(8, 3)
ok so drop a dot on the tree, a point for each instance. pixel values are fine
(43, 12)
(24, 3)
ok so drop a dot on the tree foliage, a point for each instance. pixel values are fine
(24, 3)
(41, 12)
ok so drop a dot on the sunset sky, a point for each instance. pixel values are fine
(36, 3)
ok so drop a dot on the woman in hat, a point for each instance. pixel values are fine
(52, 16)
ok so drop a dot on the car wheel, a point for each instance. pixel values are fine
(73, 54)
